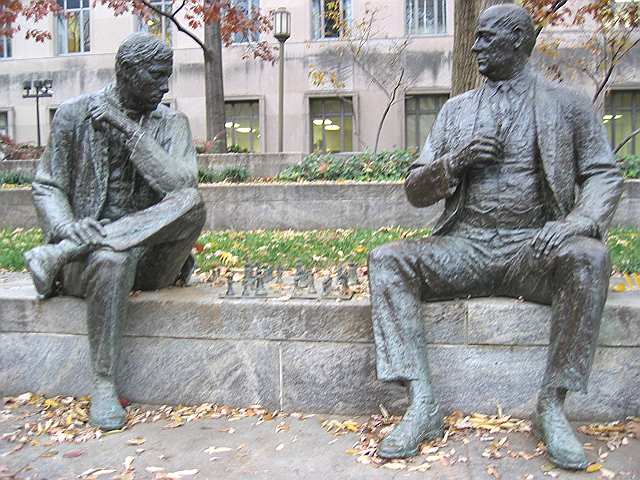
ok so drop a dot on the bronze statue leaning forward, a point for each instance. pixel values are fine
(116, 193)
(530, 186)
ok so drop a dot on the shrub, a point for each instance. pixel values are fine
(16, 177)
(227, 174)
(363, 166)
(630, 166)
(18, 151)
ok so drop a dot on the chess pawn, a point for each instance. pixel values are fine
(343, 282)
(279, 273)
(312, 284)
(260, 290)
(353, 274)
(325, 286)
(230, 292)
(268, 274)
(246, 283)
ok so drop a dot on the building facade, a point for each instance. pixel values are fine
(332, 116)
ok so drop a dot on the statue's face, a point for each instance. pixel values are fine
(494, 47)
(145, 85)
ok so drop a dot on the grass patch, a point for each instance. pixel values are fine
(15, 177)
(312, 248)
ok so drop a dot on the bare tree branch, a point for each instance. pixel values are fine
(178, 25)
(626, 140)
(387, 108)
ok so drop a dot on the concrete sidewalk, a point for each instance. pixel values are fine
(266, 447)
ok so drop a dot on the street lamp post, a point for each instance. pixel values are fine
(41, 88)
(281, 31)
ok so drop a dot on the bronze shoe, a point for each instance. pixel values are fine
(44, 263)
(420, 423)
(563, 448)
(106, 412)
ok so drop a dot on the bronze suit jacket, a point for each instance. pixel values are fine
(71, 181)
(580, 172)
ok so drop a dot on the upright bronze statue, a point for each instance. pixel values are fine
(530, 186)
(116, 193)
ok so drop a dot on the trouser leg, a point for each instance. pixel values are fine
(575, 280)
(401, 276)
(107, 279)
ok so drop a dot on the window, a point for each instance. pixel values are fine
(247, 6)
(5, 40)
(74, 27)
(427, 17)
(243, 125)
(4, 123)
(156, 24)
(331, 124)
(420, 113)
(327, 16)
(622, 111)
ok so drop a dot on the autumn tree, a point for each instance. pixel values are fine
(611, 30)
(219, 19)
(382, 63)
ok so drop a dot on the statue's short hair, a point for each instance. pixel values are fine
(141, 48)
(513, 16)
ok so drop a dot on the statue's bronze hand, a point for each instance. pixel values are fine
(104, 113)
(86, 231)
(481, 150)
(553, 234)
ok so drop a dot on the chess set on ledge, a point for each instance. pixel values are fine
(266, 282)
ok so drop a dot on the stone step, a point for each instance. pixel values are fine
(187, 345)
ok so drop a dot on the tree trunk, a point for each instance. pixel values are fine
(464, 74)
(214, 88)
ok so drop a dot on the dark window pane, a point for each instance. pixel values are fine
(73, 4)
(411, 132)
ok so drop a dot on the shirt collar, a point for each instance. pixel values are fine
(519, 84)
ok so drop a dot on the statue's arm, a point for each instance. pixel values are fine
(169, 168)
(599, 179)
(52, 182)
(430, 178)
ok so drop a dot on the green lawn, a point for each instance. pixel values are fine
(313, 248)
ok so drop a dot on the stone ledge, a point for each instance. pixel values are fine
(186, 345)
(306, 206)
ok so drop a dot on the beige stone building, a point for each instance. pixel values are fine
(80, 58)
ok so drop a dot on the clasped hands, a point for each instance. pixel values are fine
(86, 231)
(485, 150)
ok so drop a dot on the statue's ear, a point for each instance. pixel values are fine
(518, 37)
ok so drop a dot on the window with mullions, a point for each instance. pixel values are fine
(622, 116)
(243, 125)
(5, 40)
(157, 24)
(4, 123)
(326, 17)
(426, 17)
(247, 7)
(331, 124)
(420, 113)
(74, 27)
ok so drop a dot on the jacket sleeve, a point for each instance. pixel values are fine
(53, 180)
(599, 179)
(170, 164)
(429, 179)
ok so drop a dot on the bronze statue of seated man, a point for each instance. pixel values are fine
(116, 193)
(530, 185)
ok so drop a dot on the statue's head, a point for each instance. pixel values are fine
(143, 67)
(505, 37)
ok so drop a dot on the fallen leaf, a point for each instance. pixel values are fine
(128, 462)
(493, 472)
(136, 441)
(280, 447)
(594, 467)
(73, 454)
(154, 469)
(423, 467)
(212, 450)
(181, 474)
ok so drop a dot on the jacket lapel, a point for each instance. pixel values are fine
(547, 115)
